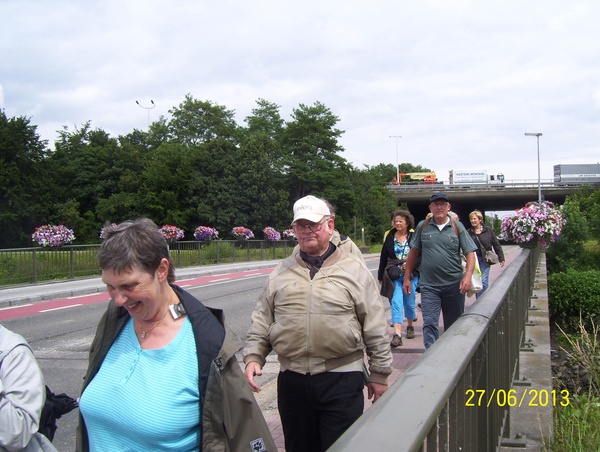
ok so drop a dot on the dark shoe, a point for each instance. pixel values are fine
(396, 341)
(419, 305)
(415, 319)
(410, 332)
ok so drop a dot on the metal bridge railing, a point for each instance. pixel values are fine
(32, 265)
(435, 405)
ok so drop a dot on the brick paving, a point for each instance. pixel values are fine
(403, 357)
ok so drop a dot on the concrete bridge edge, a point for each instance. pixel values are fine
(531, 425)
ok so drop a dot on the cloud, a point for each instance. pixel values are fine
(461, 81)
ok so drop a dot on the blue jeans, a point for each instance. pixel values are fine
(434, 299)
(402, 304)
(485, 275)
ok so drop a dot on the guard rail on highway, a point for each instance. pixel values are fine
(32, 265)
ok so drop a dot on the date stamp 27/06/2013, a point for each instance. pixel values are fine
(531, 397)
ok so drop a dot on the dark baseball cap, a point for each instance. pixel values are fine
(439, 196)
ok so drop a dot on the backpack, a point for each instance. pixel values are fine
(54, 407)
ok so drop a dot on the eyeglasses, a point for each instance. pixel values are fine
(439, 204)
(302, 228)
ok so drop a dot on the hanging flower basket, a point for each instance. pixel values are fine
(272, 234)
(102, 234)
(205, 233)
(51, 236)
(242, 233)
(534, 222)
(533, 243)
(289, 235)
(171, 233)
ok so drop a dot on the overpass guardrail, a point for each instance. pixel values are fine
(427, 409)
(441, 186)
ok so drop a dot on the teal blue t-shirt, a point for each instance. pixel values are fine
(145, 400)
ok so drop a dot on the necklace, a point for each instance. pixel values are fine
(155, 325)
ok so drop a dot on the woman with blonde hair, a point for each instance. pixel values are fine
(485, 238)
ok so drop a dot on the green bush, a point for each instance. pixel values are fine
(576, 425)
(573, 294)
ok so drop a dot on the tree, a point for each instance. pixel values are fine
(568, 249)
(196, 122)
(312, 161)
(265, 119)
(22, 181)
(89, 167)
(166, 187)
(216, 186)
(262, 194)
(373, 202)
(410, 168)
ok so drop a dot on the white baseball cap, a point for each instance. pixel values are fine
(310, 208)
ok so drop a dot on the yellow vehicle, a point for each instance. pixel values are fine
(419, 178)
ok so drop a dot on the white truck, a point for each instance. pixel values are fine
(578, 174)
(474, 177)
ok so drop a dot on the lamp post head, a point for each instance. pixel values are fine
(537, 134)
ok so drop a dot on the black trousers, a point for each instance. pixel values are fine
(316, 409)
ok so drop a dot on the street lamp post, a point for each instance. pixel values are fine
(397, 163)
(537, 135)
(147, 108)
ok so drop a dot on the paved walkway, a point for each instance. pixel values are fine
(404, 356)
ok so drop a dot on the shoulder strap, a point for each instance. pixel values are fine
(454, 226)
(425, 224)
(481, 247)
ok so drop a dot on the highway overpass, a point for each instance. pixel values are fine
(465, 198)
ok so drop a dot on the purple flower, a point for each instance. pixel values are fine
(272, 234)
(171, 232)
(240, 232)
(205, 233)
(48, 235)
(542, 220)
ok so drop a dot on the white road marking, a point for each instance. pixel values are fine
(62, 307)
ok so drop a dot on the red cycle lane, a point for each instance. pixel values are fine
(63, 303)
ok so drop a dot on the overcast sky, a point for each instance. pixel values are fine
(460, 81)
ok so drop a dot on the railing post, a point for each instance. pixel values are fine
(34, 265)
(72, 263)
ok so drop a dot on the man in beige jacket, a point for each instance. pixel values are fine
(319, 310)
